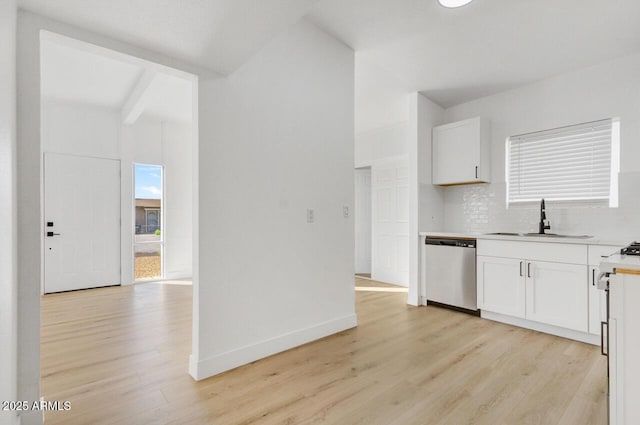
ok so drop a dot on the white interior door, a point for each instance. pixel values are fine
(82, 222)
(390, 241)
(363, 221)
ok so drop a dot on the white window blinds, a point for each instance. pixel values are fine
(568, 163)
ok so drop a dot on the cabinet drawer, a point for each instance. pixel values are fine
(539, 251)
(596, 252)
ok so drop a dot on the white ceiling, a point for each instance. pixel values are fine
(450, 55)
(170, 99)
(455, 55)
(217, 34)
(76, 72)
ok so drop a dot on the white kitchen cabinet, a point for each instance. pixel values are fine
(540, 282)
(501, 285)
(545, 292)
(624, 348)
(556, 294)
(462, 152)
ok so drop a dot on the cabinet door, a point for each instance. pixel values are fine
(501, 285)
(597, 303)
(456, 152)
(557, 294)
(616, 380)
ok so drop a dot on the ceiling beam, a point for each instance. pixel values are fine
(191, 72)
(138, 100)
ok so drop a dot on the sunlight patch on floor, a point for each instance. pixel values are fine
(380, 289)
(170, 282)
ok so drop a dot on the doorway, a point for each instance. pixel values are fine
(148, 239)
(105, 113)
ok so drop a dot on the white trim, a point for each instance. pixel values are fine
(177, 274)
(384, 279)
(541, 327)
(195, 219)
(30, 416)
(205, 368)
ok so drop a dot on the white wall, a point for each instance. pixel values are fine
(276, 139)
(8, 219)
(610, 89)
(381, 116)
(88, 130)
(29, 213)
(177, 148)
(80, 129)
(426, 201)
(381, 100)
(382, 143)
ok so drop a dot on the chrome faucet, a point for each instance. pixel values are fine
(544, 223)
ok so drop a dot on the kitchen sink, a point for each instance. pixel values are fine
(540, 235)
(556, 235)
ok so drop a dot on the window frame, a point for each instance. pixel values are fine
(611, 201)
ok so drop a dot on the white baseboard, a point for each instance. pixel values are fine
(177, 274)
(31, 417)
(541, 327)
(210, 366)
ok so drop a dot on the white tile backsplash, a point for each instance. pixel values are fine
(482, 208)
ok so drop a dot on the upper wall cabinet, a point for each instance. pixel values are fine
(462, 152)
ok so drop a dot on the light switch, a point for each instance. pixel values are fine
(346, 212)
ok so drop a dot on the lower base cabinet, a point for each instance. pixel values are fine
(546, 292)
(501, 285)
(624, 349)
(557, 294)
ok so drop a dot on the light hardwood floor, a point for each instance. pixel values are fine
(120, 356)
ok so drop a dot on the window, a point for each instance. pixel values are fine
(574, 163)
(149, 236)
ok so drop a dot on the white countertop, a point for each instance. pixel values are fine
(521, 238)
(449, 234)
(551, 239)
(619, 261)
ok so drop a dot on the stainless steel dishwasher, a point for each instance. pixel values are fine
(450, 273)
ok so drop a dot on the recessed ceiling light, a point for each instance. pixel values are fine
(454, 3)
